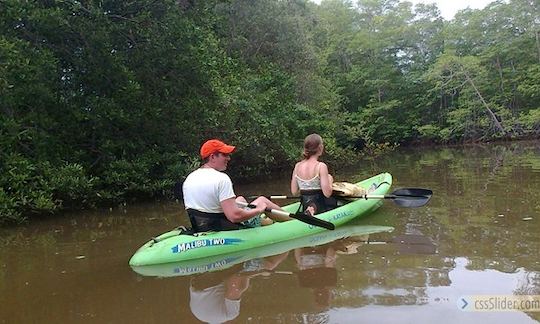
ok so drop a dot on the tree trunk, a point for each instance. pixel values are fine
(491, 113)
(538, 44)
(499, 68)
(515, 102)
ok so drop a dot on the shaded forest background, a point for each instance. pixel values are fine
(106, 101)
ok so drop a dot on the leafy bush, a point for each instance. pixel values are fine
(24, 189)
(429, 132)
(531, 121)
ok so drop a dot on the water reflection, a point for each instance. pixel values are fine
(478, 235)
(215, 296)
(317, 267)
(217, 284)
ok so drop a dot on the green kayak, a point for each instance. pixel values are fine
(174, 246)
(225, 261)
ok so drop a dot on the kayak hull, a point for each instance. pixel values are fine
(225, 261)
(173, 246)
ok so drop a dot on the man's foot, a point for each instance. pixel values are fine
(266, 221)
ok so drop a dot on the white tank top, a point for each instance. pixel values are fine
(311, 184)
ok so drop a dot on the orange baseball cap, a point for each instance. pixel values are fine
(213, 146)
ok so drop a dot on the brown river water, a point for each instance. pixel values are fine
(479, 235)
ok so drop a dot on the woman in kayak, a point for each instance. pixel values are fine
(310, 178)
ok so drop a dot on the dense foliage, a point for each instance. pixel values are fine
(103, 101)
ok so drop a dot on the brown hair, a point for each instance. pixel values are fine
(312, 143)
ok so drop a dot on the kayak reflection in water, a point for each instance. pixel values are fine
(215, 296)
(317, 266)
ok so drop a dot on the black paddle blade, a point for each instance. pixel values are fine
(312, 220)
(411, 197)
(419, 192)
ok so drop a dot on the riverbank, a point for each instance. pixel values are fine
(336, 165)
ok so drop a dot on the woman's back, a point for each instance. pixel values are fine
(308, 169)
(310, 174)
(311, 180)
(307, 175)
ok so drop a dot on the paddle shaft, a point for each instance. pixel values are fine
(404, 197)
(308, 219)
(363, 197)
(273, 211)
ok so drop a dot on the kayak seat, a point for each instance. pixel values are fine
(211, 222)
(317, 200)
(185, 230)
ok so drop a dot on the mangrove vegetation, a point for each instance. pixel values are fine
(106, 101)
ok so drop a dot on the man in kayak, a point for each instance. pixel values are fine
(209, 197)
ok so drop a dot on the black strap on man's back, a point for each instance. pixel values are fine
(205, 222)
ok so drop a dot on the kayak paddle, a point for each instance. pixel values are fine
(308, 219)
(404, 197)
